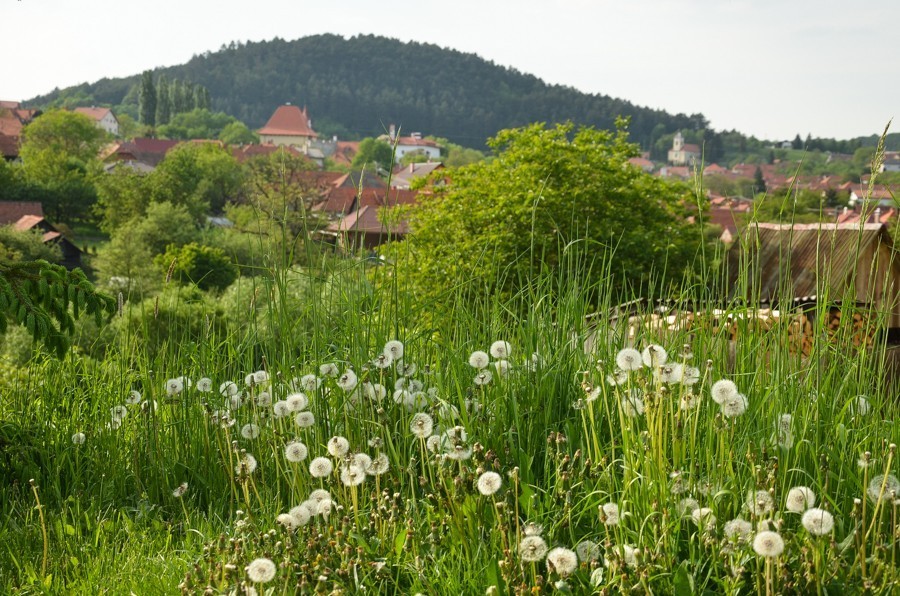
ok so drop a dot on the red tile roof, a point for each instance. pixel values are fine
(13, 211)
(149, 151)
(26, 222)
(416, 141)
(345, 200)
(95, 114)
(245, 152)
(691, 148)
(345, 152)
(9, 146)
(366, 220)
(9, 104)
(288, 121)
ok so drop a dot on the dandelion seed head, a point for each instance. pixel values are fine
(295, 451)
(310, 383)
(629, 359)
(654, 356)
(250, 431)
(352, 475)
(889, 492)
(739, 530)
(394, 348)
(180, 490)
(501, 350)
(768, 544)
(228, 389)
(610, 515)
(328, 370)
(686, 507)
(264, 399)
(532, 549)
(281, 409)
(532, 529)
(489, 483)
(760, 503)
(671, 373)
(133, 397)
(301, 514)
(479, 359)
(817, 522)
(704, 518)
(378, 466)
(421, 425)
(799, 499)
(502, 367)
(690, 375)
(338, 446)
(632, 404)
(320, 467)
(261, 571)
(118, 413)
(205, 385)
(297, 402)
(562, 560)
(407, 369)
(587, 551)
(246, 465)
(483, 377)
(617, 377)
(734, 405)
(78, 438)
(722, 390)
(347, 381)
(304, 419)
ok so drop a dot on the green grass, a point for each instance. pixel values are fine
(558, 433)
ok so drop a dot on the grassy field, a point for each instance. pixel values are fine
(366, 445)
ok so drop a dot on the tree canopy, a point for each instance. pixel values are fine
(547, 191)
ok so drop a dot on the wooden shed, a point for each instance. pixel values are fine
(798, 264)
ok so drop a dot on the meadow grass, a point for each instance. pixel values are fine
(616, 471)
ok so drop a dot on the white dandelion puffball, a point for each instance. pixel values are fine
(310, 383)
(629, 359)
(760, 502)
(320, 467)
(704, 518)
(502, 367)
(768, 544)
(180, 490)
(394, 348)
(281, 409)
(489, 483)
(406, 369)
(739, 529)
(264, 399)
(174, 386)
(304, 419)
(617, 377)
(301, 514)
(328, 370)
(733, 406)
(379, 465)
(78, 438)
(319, 495)
(500, 350)
(260, 377)
(784, 423)
(261, 571)
(689, 401)
(723, 389)
(324, 508)
(421, 425)
(562, 560)
(483, 377)
(532, 549)
(295, 451)
(632, 404)
(133, 398)
(287, 520)
(246, 465)
(628, 553)
(587, 551)
(883, 487)
(383, 361)
(250, 431)
(433, 444)
(118, 413)
(347, 381)
(479, 359)
(228, 389)
(205, 385)
(686, 507)
(297, 402)
(654, 355)
(352, 475)
(361, 460)
(817, 522)
(671, 373)
(610, 514)
(338, 446)
(690, 375)
(799, 499)
(532, 529)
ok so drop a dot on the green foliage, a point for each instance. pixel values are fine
(162, 225)
(549, 196)
(163, 101)
(122, 195)
(26, 245)
(199, 176)
(200, 124)
(148, 99)
(206, 266)
(373, 154)
(39, 296)
(237, 133)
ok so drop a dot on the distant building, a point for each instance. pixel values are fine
(13, 118)
(413, 144)
(71, 254)
(289, 125)
(891, 161)
(102, 117)
(404, 176)
(683, 154)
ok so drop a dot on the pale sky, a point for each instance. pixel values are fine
(770, 68)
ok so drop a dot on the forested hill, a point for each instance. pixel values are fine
(356, 87)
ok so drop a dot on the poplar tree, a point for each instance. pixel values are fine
(163, 102)
(148, 99)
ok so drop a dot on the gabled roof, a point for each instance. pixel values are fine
(343, 201)
(416, 141)
(404, 175)
(356, 180)
(691, 148)
(365, 220)
(148, 151)
(245, 152)
(13, 211)
(95, 114)
(9, 104)
(345, 152)
(9, 146)
(26, 222)
(288, 121)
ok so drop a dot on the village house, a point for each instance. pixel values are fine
(13, 118)
(414, 144)
(102, 117)
(683, 154)
(403, 176)
(289, 125)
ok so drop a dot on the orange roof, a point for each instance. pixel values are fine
(288, 121)
(691, 148)
(245, 152)
(95, 114)
(26, 222)
(9, 104)
(416, 141)
(366, 220)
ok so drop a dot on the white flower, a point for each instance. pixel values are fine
(407, 369)
(632, 404)
(629, 359)
(235, 402)
(687, 507)
(784, 423)
(734, 405)
(174, 386)
(347, 381)
(629, 555)
(890, 491)
(295, 451)
(768, 544)
(260, 377)
(502, 367)
(379, 465)
(532, 549)
(799, 499)
(689, 401)
(421, 425)
(319, 495)
(281, 409)
(304, 419)
(261, 571)
(760, 503)
(228, 389)
(250, 431)
(204, 385)
(617, 377)
(532, 529)
(723, 389)
(817, 522)
(301, 514)
(489, 483)
(287, 520)
(704, 518)
(383, 360)
(328, 370)
(610, 515)
(654, 356)
(479, 359)
(352, 475)
(78, 438)
(483, 377)
(310, 383)
(587, 551)
(264, 399)
(246, 465)
(690, 375)
(134, 397)
(118, 413)
(394, 348)
(320, 467)
(324, 508)
(180, 490)
(671, 373)
(562, 560)
(739, 529)
(297, 402)
(500, 350)
(433, 444)
(338, 446)
(361, 460)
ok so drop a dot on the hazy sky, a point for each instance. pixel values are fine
(771, 68)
